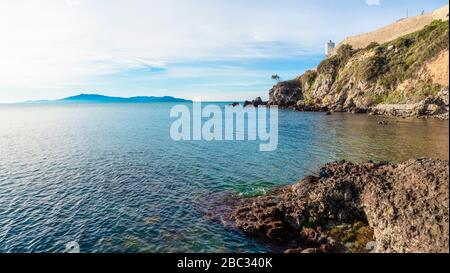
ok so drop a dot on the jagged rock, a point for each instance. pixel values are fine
(300, 105)
(443, 95)
(406, 206)
(285, 93)
(255, 103)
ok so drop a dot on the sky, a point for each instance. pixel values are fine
(216, 50)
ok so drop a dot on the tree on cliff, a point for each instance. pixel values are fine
(276, 77)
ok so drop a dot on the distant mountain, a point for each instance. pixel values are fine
(95, 98)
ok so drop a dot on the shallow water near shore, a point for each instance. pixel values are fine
(109, 176)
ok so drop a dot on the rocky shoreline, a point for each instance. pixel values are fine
(436, 106)
(367, 207)
(432, 107)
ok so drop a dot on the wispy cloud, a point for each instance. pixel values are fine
(373, 2)
(63, 41)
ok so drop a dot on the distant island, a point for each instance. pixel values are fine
(95, 98)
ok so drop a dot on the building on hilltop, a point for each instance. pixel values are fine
(329, 48)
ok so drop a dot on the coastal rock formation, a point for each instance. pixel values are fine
(406, 76)
(258, 101)
(285, 93)
(400, 207)
(255, 103)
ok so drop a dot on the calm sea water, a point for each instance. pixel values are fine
(110, 178)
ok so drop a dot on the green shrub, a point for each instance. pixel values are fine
(332, 65)
(379, 98)
(329, 66)
(308, 77)
(375, 66)
(372, 45)
(345, 52)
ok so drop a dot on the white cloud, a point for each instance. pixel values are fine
(373, 2)
(57, 43)
(49, 43)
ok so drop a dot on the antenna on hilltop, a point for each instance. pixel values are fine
(407, 13)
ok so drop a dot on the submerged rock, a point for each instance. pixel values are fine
(401, 207)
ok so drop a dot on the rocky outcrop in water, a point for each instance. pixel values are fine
(285, 93)
(352, 207)
(404, 77)
(255, 103)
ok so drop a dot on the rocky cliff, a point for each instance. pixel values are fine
(356, 208)
(406, 76)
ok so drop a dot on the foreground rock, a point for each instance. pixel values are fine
(353, 207)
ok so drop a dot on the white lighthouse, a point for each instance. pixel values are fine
(329, 48)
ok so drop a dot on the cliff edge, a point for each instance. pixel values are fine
(406, 76)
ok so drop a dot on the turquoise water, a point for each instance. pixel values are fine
(110, 178)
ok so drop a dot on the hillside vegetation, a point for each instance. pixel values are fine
(407, 70)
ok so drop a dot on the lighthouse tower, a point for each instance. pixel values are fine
(329, 48)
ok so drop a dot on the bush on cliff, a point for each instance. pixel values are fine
(336, 62)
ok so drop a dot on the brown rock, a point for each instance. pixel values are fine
(405, 204)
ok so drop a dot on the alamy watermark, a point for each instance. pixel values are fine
(214, 123)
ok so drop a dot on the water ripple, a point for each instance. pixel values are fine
(110, 178)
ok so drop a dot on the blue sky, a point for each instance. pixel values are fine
(216, 50)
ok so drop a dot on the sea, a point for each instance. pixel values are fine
(110, 178)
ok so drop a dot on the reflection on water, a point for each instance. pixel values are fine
(110, 178)
(360, 138)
